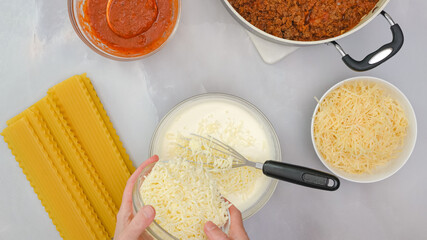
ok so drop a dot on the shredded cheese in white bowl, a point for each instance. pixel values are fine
(364, 129)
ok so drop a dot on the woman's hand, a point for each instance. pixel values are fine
(128, 226)
(236, 232)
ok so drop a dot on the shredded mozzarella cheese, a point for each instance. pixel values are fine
(185, 197)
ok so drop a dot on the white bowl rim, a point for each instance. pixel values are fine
(411, 111)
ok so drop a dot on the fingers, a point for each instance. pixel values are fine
(214, 232)
(127, 193)
(236, 217)
(139, 223)
(237, 230)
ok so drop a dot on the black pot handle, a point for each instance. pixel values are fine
(379, 56)
(301, 175)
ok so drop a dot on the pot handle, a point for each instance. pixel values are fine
(301, 175)
(379, 56)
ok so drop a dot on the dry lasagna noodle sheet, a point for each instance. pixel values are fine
(73, 158)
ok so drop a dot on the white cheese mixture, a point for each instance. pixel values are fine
(233, 124)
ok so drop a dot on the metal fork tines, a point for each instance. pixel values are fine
(238, 159)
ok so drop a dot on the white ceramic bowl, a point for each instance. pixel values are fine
(382, 172)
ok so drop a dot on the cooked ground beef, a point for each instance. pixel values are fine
(304, 20)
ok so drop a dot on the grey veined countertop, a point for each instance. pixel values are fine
(212, 53)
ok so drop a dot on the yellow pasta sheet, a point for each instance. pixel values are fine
(62, 199)
(106, 119)
(73, 158)
(80, 164)
(77, 106)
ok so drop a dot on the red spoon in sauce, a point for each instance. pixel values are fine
(129, 18)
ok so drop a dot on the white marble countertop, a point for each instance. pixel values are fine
(212, 53)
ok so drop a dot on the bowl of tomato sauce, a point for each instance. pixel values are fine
(125, 30)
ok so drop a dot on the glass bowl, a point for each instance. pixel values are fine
(82, 28)
(155, 230)
(381, 172)
(160, 133)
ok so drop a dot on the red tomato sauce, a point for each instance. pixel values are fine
(151, 37)
(129, 18)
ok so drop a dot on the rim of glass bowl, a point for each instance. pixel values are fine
(260, 203)
(73, 7)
